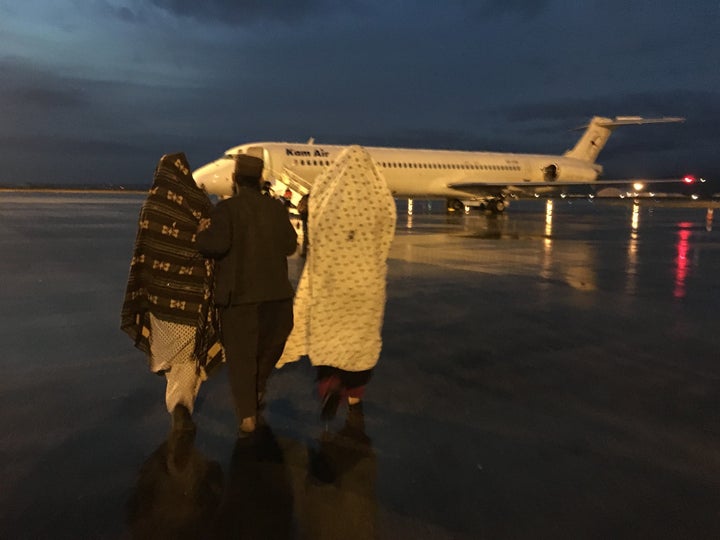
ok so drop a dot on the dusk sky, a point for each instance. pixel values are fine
(95, 91)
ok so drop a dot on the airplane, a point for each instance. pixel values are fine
(487, 179)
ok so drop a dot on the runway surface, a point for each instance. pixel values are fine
(550, 373)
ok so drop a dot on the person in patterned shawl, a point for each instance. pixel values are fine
(168, 309)
(340, 301)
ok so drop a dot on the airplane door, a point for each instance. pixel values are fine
(262, 153)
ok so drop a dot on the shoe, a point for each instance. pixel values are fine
(248, 424)
(182, 419)
(330, 404)
(354, 428)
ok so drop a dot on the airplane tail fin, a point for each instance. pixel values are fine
(598, 132)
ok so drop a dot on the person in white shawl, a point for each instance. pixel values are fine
(340, 301)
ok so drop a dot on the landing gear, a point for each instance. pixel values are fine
(455, 205)
(495, 205)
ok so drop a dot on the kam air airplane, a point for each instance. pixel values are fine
(483, 179)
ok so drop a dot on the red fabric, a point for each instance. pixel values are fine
(334, 383)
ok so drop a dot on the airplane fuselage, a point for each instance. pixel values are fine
(458, 176)
(408, 172)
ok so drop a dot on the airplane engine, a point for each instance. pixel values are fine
(551, 172)
(570, 171)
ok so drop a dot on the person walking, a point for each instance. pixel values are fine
(168, 309)
(340, 302)
(250, 236)
(302, 208)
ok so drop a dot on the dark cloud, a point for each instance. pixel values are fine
(496, 8)
(701, 108)
(251, 11)
(23, 85)
(300, 11)
(488, 75)
(55, 146)
(655, 150)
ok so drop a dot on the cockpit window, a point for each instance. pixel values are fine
(228, 156)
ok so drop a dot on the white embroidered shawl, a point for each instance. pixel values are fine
(340, 300)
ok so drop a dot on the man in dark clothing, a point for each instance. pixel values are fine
(302, 208)
(251, 237)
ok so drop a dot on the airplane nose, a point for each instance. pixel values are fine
(215, 177)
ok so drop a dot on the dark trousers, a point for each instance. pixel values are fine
(253, 336)
(306, 236)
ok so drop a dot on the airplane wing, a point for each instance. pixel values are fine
(502, 188)
(495, 189)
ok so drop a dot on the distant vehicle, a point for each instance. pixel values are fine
(485, 179)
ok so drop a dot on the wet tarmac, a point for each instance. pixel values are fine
(550, 373)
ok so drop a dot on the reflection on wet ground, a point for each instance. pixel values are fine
(552, 372)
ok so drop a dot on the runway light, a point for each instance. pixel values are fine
(638, 186)
(689, 179)
(694, 197)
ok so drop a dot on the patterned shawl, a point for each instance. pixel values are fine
(168, 276)
(340, 301)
